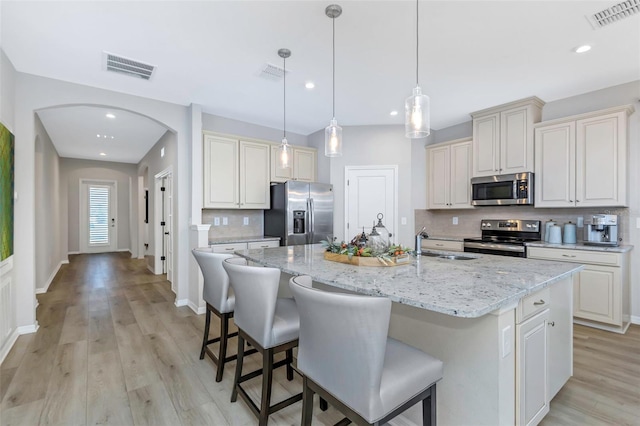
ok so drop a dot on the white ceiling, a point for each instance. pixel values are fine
(473, 54)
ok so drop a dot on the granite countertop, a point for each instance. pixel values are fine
(461, 288)
(582, 246)
(225, 240)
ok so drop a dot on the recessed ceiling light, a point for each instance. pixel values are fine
(111, 137)
(102, 154)
(309, 85)
(109, 115)
(393, 113)
(582, 49)
(98, 135)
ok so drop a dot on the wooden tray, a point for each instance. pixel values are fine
(367, 261)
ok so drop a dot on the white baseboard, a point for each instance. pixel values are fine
(28, 329)
(74, 252)
(635, 319)
(51, 277)
(119, 250)
(8, 344)
(150, 268)
(195, 308)
(141, 257)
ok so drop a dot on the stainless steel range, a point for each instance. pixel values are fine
(504, 237)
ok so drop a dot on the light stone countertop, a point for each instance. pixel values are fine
(461, 288)
(582, 246)
(226, 240)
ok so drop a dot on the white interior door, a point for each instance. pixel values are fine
(370, 190)
(98, 221)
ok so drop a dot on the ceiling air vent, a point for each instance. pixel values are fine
(614, 13)
(127, 66)
(272, 72)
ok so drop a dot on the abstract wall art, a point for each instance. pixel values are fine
(6, 192)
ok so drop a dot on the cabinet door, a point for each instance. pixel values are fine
(254, 175)
(304, 164)
(532, 393)
(460, 176)
(601, 156)
(485, 145)
(516, 141)
(221, 173)
(560, 345)
(279, 174)
(555, 165)
(596, 294)
(438, 163)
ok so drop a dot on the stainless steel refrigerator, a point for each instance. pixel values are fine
(301, 213)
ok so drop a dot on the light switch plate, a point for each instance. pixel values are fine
(580, 222)
(403, 221)
(455, 220)
(638, 222)
(245, 220)
(225, 221)
(506, 341)
(216, 221)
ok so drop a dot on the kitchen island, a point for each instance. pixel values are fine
(468, 313)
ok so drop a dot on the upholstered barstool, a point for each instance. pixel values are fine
(220, 301)
(366, 375)
(270, 324)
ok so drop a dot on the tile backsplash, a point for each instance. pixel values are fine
(235, 223)
(440, 222)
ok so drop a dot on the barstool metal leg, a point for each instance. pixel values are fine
(307, 403)
(207, 323)
(429, 408)
(239, 361)
(324, 405)
(267, 376)
(289, 357)
(222, 354)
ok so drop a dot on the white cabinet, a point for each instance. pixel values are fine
(262, 244)
(228, 247)
(601, 293)
(236, 173)
(449, 172)
(503, 137)
(581, 161)
(532, 385)
(302, 166)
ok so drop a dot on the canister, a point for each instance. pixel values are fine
(555, 234)
(547, 225)
(569, 236)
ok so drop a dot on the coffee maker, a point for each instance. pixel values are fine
(601, 230)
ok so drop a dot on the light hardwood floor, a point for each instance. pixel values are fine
(113, 349)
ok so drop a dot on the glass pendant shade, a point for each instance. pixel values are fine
(417, 122)
(333, 139)
(285, 154)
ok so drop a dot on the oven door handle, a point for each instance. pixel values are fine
(490, 246)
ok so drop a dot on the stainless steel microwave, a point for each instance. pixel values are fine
(502, 190)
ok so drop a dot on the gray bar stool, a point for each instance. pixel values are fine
(220, 300)
(366, 375)
(270, 324)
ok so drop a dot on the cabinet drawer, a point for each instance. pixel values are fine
(262, 244)
(228, 248)
(576, 256)
(442, 245)
(533, 303)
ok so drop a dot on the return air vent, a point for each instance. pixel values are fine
(272, 72)
(127, 66)
(614, 13)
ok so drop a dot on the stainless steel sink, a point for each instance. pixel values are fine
(447, 256)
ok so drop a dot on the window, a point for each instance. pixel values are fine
(98, 215)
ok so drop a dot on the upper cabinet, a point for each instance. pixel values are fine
(581, 161)
(236, 173)
(449, 170)
(302, 166)
(503, 137)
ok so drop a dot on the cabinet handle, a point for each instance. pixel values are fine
(577, 201)
(541, 302)
(439, 245)
(568, 255)
(264, 246)
(571, 201)
(229, 249)
(552, 323)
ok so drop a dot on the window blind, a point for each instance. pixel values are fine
(98, 215)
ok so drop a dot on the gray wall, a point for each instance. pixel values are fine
(51, 245)
(214, 123)
(7, 91)
(72, 171)
(152, 164)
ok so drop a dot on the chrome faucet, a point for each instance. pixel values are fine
(419, 236)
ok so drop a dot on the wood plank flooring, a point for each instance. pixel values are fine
(113, 349)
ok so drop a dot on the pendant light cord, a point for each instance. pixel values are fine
(333, 20)
(417, 41)
(284, 99)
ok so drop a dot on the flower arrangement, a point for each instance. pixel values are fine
(393, 252)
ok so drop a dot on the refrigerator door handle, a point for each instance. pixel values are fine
(311, 220)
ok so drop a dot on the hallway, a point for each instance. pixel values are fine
(112, 348)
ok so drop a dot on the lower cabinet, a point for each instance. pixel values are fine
(601, 293)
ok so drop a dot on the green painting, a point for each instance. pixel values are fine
(6, 192)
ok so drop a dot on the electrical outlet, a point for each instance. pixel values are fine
(216, 221)
(225, 221)
(580, 221)
(638, 222)
(403, 221)
(455, 220)
(245, 220)
(506, 341)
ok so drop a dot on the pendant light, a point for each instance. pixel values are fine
(333, 132)
(285, 149)
(416, 107)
